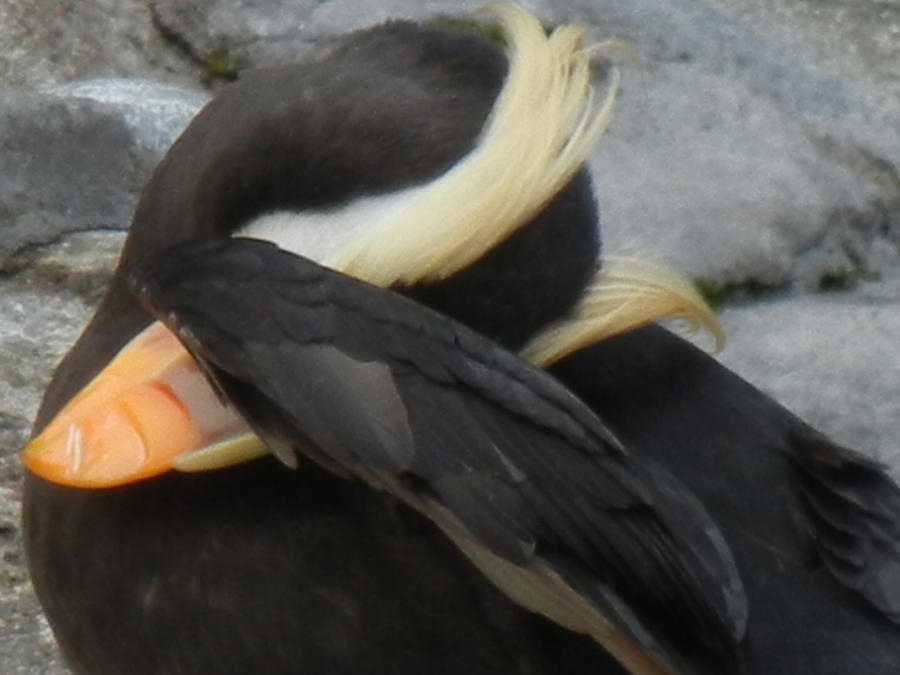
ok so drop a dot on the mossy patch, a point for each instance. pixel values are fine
(718, 293)
(220, 65)
(836, 281)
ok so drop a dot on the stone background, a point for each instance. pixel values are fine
(756, 147)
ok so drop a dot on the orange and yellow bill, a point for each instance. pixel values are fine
(149, 411)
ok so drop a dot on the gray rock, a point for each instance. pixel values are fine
(45, 42)
(75, 159)
(740, 155)
(37, 326)
(755, 144)
(65, 165)
(227, 36)
(831, 358)
(329, 17)
(155, 113)
(740, 152)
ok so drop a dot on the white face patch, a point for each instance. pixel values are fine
(321, 235)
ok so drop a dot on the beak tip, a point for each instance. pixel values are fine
(61, 459)
(38, 458)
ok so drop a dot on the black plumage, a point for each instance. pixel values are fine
(813, 526)
(260, 569)
(264, 569)
(375, 386)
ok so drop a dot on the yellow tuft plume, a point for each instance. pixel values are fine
(625, 295)
(541, 130)
(543, 126)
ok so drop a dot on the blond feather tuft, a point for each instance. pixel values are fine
(625, 295)
(543, 126)
(541, 129)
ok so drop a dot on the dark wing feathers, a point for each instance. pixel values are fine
(852, 507)
(398, 395)
(798, 511)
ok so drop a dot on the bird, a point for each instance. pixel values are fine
(424, 498)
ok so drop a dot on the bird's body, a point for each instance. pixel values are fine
(264, 569)
(355, 583)
(795, 508)
(420, 442)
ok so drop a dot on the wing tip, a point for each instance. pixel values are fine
(852, 507)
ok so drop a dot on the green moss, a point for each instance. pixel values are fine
(836, 281)
(845, 279)
(220, 65)
(718, 293)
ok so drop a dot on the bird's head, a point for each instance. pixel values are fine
(427, 161)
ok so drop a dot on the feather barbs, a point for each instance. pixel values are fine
(542, 128)
(625, 294)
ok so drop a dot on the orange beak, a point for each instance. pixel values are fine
(149, 411)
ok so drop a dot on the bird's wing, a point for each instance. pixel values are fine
(780, 491)
(515, 469)
(852, 514)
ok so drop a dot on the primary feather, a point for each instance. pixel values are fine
(461, 428)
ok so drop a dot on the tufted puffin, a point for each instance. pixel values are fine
(326, 457)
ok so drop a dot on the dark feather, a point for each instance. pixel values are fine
(854, 511)
(787, 500)
(262, 570)
(518, 459)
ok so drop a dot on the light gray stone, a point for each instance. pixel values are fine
(74, 159)
(755, 144)
(65, 165)
(155, 113)
(37, 326)
(832, 358)
(46, 42)
(226, 36)
(740, 154)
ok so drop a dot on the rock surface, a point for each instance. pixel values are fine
(754, 147)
